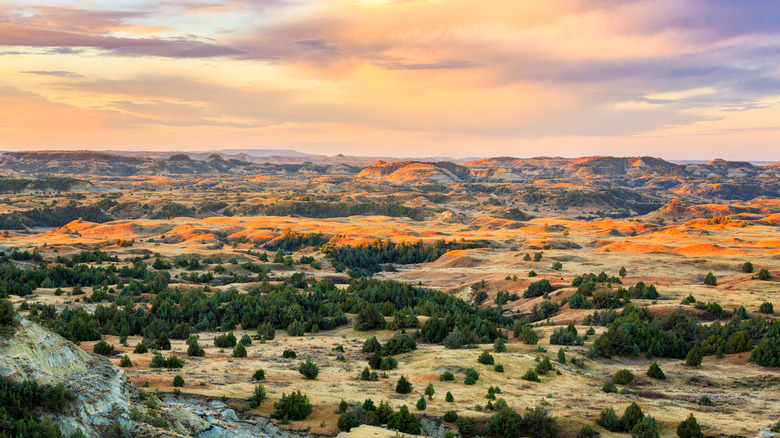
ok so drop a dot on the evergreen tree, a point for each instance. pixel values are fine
(655, 371)
(694, 357)
(689, 428)
(429, 391)
(403, 386)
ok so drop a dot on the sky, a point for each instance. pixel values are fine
(678, 79)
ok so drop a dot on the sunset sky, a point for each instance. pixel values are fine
(679, 79)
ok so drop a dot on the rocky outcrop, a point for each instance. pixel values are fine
(103, 394)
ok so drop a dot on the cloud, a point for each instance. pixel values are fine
(19, 36)
(57, 73)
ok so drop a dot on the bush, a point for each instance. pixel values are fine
(403, 386)
(538, 288)
(8, 319)
(471, 372)
(499, 346)
(404, 421)
(288, 354)
(586, 431)
(646, 428)
(446, 376)
(421, 404)
(103, 348)
(450, 416)
(246, 340)
(486, 358)
(527, 335)
(498, 368)
(623, 377)
(544, 366)
(266, 331)
(467, 427)
(609, 387)
(694, 357)
(632, 416)
(747, 268)
(655, 371)
(226, 340)
(294, 407)
(689, 428)
(449, 398)
(295, 329)
(454, 340)
(609, 420)
(429, 391)
(369, 318)
(258, 397)
(763, 274)
(259, 375)
(309, 369)
(710, 280)
(561, 356)
(767, 308)
(347, 421)
(125, 362)
(141, 348)
(531, 376)
(539, 424)
(194, 350)
(469, 381)
(239, 351)
(178, 381)
(400, 343)
(371, 345)
(705, 401)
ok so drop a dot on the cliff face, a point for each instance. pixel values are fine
(104, 395)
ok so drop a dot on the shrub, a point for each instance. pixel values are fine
(289, 354)
(449, 398)
(646, 428)
(544, 366)
(226, 340)
(623, 377)
(371, 345)
(688, 300)
(747, 268)
(259, 375)
(309, 369)
(609, 420)
(347, 421)
(403, 386)
(655, 371)
(369, 318)
(246, 340)
(526, 334)
(469, 381)
(454, 340)
(689, 428)
(421, 404)
(767, 308)
(429, 391)
(539, 423)
(125, 362)
(705, 401)
(632, 416)
(103, 348)
(400, 343)
(449, 434)
(710, 280)
(486, 358)
(694, 357)
(586, 431)
(239, 351)
(450, 416)
(561, 356)
(178, 381)
(266, 331)
(499, 346)
(622, 272)
(404, 421)
(609, 387)
(467, 427)
(498, 368)
(8, 319)
(342, 406)
(763, 274)
(471, 372)
(258, 397)
(193, 349)
(141, 348)
(531, 376)
(296, 329)
(446, 376)
(538, 288)
(294, 407)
